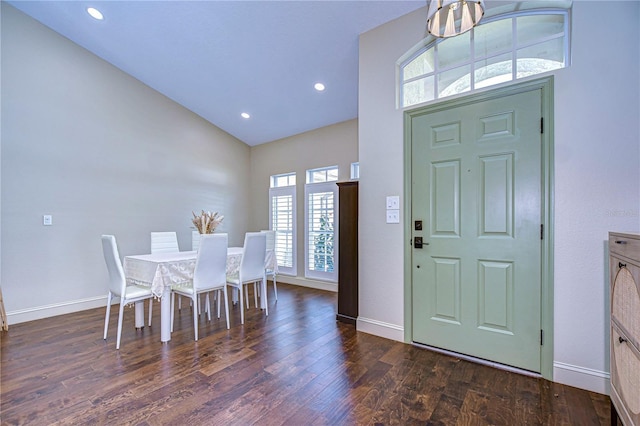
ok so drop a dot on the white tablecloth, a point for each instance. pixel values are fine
(234, 257)
(161, 271)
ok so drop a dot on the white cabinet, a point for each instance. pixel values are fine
(624, 267)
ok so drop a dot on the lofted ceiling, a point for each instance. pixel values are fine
(221, 58)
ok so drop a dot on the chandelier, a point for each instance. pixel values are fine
(448, 18)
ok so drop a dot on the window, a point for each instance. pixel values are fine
(287, 179)
(501, 49)
(324, 174)
(355, 170)
(282, 217)
(320, 213)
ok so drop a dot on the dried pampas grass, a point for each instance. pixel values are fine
(206, 222)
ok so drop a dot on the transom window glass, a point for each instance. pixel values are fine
(324, 174)
(286, 179)
(505, 48)
(355, 170)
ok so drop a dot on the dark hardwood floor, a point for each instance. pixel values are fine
(298, 366)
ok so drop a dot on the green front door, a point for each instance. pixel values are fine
(477, 190)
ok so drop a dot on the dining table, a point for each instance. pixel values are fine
(162, 271)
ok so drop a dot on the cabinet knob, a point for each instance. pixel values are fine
(621, 265)
(621, 339)
(621, 242)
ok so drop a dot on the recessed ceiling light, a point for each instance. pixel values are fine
(319, 87)
(245, 115)
(95, 13)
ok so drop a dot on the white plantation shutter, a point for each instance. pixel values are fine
(321, 260)
(282, 218)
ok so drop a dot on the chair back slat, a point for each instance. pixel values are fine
(164, 242)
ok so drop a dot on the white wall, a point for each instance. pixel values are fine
(597, 141)
(335, 145)
(597, 179)
(103, 154)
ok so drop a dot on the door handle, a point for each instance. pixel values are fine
(418, 243)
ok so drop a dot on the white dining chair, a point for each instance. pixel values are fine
(118, 286)
(271, 250)
(195, 240)
(209, 275)
(195, 244)
(165, 242)
(251, 268)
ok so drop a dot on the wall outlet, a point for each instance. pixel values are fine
(47, 220)
(393, 202)
(393, 216)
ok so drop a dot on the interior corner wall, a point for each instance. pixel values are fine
(0, 158)
(334, 145)
(103, 154)
(597, 181)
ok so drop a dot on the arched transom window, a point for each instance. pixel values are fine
(503, 48)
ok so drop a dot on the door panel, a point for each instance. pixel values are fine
(445, 190)
(447, 290)
(477, 187)
(496, 201)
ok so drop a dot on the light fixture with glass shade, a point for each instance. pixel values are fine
(448, 18)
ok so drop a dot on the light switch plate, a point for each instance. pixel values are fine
(393, 216)
(47, 220)
(393, 202)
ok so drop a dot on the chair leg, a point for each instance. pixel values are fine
(255, 295)
(150, 310)
(215, 296)
(219, 295)
(120, 315)
(275, 287)
(179, 303)
(196, 308)
(246, 294)
(264, 286)
(226, 305)
(241, 307)
(106, 317)
(208, 307)
(173, 299)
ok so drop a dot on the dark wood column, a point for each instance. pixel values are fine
(348, 252)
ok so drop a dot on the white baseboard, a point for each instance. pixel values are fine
(581, 377)
(304, 282)
(379, 328)
(567, 374)
(47, 311)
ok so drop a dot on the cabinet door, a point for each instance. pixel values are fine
(625, 339)
(625, 376)
(625, 301)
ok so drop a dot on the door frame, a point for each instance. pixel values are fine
(545, 85)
